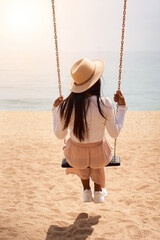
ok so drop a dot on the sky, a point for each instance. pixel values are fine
(83, 25)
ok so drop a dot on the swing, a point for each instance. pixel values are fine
(115, 161)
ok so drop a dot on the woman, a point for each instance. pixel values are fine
(87, 116)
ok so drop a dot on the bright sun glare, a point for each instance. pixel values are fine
(21, 16)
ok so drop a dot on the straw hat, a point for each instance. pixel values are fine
(85, 74)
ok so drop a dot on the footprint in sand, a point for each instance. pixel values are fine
(133, 232)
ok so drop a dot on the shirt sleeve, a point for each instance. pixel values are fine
(58, 124)
(114, 123)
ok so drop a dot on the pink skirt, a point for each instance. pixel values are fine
(83, 155)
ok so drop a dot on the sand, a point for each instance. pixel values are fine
(39, 202)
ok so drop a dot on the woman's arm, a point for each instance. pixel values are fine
(58, 123)
(114, 124)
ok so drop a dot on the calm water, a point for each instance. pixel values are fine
(34, 88)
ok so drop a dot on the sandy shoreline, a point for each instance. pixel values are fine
(39, 202)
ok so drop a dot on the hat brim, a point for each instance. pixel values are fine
(99, 69)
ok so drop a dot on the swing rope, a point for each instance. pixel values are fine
(56, 48)
(120, 64)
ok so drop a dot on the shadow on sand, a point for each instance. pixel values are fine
(79, 230)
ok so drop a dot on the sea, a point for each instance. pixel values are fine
(32, 83)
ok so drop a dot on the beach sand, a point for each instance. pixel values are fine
(39, 202)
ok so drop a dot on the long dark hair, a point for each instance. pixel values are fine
(80, 103)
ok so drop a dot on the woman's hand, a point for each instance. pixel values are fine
(58, 101)
(118, 97)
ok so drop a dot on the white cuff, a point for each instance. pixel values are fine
(123, 107)
(53, 108)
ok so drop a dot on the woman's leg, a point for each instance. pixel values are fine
(98, 177)
(97, 187)
(86, 184)
(86, 193)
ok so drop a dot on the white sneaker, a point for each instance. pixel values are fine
(100, 195)
(87, 195)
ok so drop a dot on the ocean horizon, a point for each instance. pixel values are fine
(34, 86)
